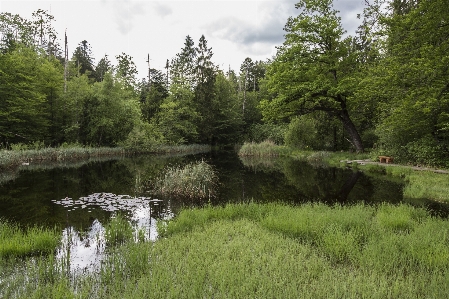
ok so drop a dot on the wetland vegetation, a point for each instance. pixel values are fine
(265, 250)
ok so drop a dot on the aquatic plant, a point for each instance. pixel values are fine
(194, 180)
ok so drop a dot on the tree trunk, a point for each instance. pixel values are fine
(351, 130)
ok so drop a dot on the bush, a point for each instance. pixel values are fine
(427, 151)
(302, 133)
(144, 136)
(261, 132)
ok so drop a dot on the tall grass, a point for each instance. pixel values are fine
(272, 251)
(184, 149)
(14, 242)
(194, 180)
(22, 154)
(264, 149)
(13, 158)
(118, 231)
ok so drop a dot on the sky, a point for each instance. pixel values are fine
(234, 29)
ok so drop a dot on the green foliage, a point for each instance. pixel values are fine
(315, 69)
(177, 117)
(194, 180)
(427, 151)
(410, 83)
(226, 120)
(82, 59)
(78, 94)
(267, 131)
(302, 133)
(126, 70)
(109, 114)
(24, 111)
(143, 137)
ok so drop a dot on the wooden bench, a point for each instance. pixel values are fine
(386, 159)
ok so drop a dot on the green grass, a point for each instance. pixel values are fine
(14, 242)
(272, 251)
(194, 180)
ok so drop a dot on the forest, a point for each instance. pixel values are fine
(383, 88)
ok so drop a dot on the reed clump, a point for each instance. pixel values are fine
(264, 149)
(194, 180)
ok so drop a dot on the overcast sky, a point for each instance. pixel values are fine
(234, 29)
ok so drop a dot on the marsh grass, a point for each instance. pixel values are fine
(264, 149)
(118, 231)
(194, 180)
(22, 154)
(14, 242)
(185, 149)
(274, 251)
(13, 158)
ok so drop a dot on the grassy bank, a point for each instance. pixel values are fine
(421, 183)
(12, 158)
(268, 251)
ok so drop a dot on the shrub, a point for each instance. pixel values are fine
(143, 136)
(273, 132)
(302, 133)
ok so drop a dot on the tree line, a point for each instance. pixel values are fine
(384, 88)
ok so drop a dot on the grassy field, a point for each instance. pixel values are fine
(265, 251)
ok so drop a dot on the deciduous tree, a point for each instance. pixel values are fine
(314, 70)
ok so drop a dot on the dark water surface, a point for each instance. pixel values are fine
(79, 199)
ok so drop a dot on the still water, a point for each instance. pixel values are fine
(80, 198)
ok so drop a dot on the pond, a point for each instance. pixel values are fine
(80, 198)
